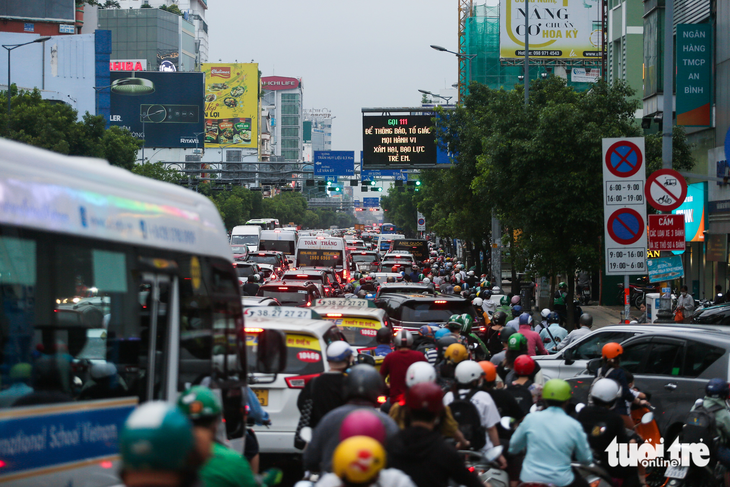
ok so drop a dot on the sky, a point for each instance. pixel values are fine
(349, 55)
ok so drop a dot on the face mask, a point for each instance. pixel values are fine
(684, 294)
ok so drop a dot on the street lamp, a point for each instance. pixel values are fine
(10, 47)
(470, 57)
(446, 98)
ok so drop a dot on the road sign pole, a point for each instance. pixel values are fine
(627, 301)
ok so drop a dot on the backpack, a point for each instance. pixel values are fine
(430, 350)
(700, 427)
(470, 423)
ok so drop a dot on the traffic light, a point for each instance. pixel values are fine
(329, 183)
(379, 188)
(372, 183)
(418, 185)
(364, 189)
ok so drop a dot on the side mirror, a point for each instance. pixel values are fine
(271, 356)
(593, 366)
(363, 358)
(568, 356)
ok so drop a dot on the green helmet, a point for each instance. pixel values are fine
(199, 402)
(466, 322)
(556, 390)
(156, 436)
(504, 301)
(562, 285)
(517, 342)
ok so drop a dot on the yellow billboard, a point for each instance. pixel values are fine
(231, 104)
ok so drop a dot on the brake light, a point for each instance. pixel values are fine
(105, 464)
(334, 315)
(253, 330)
(299, 381)
(382, 399)
(262, 255)
(363, 253)
(440, 302)
(283, 289)
(396, 329)
(309, 303)
(302, 275)
(482, 329)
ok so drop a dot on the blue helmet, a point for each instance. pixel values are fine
(717, 388)
(427, 330)
(441, 332)
(554, 317)
(517, 310)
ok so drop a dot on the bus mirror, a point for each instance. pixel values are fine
(271, 357)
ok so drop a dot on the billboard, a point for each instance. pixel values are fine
(693, 210)
(58, 10)
(334, 163)
(398, 141)
(231, 105)
(276, 83)
(164, 109)
(566, 29)
(694, 74)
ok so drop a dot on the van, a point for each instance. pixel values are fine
(265, 223)
(323, 251)
(281, 240)
(416, 247)
(385, 239)
(248, 235)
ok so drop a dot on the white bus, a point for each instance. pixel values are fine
(248, 235)
(324, 252)
(114, 289)
(265, 223)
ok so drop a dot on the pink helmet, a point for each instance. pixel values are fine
(515, 300)
(362, 422)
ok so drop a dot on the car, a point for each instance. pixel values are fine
(355, 244)
(382, 277)
(267, 273)
(400, 254)
(307, 341)
(291, 293)
(365, 261)
(317, 276)
(271, 257)
(672, 366)
(335, 283)
(258, 301)
(246, 270)
(414, 310)
(358, 319)
(240, 252)
(395, 264)
(405, 288)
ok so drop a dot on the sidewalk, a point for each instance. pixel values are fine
(606, 315)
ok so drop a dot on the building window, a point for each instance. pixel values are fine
(290, 121)
(290, 97)
(290, 132)
(289, 109)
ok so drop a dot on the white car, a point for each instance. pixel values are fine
(307, 340)
(358, 319)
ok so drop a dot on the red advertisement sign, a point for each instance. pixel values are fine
(666, 232)
(274, 83)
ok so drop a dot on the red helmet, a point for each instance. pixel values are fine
(362, 422)
(425, 396)
(524, 365)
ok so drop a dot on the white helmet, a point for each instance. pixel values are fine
(338, 351)
(468, 371)
(426, 280)
(496, 290)
(605, 390)
(545, 313)
(420, 372)
(477, 302)
(403, 338)
(471, 273)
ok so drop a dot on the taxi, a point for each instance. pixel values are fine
(358, 319)
(307, 338)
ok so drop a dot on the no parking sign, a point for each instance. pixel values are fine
(624, 205)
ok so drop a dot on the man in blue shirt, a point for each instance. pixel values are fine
(554, 334)
(384, 338)
(552, 439)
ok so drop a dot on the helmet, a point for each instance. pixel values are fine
(554, 317)
(358, 460)
(717, 388)
(363, 382)
(384, 335)
(426, 280)
(515, 300)
(605, 390)
(440, 333)
(524, 365)
(487, 294)
(517, 342)
(478, 302)
(562, 285)
(586, 320)
(484, 284)
(199, 402)
(545, 313)
(426, 396)
(362, 422)
(516, 310)
(496, 290)
(611, 350)
(420, 372)
(490, 371)
(499, 318)
(156, 436)
(454, 323)
(556, 390)
(403, 338)
(457, 289)
(456, 352)
(505, 334)
(256, 278)
(467, 372)
(338, 351)
(525, 319)
(470, 273)
(394, 268)
(427, 330)
(504, 301)
(466, 323)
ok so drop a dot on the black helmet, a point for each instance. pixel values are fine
(499, 318)
(505, 333)
(384, 335)
(364, 382)
(586, 320)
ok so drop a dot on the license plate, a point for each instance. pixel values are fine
(676, 472)
(262, 395)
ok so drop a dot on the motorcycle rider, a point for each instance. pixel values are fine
(446, 370)
(716, 395)
(586, 322)
(252, 286)
(544, 323)
(603, 425)
(514, 323)
(611, 369)
(383, 337)
(534, 342)
(554, 334)
(560, 302)
(473, 342)
(505, 307)
(552, 439)
(525, 392)
(396, 364)
(420, 451)
(494, 344)
(503, 337)
(425, 342)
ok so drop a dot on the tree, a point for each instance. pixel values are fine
(402, 209)
(288, 206)
(157, 170)
(173, 9)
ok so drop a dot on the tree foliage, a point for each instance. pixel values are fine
(401, 209)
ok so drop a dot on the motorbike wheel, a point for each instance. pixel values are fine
(639, 301)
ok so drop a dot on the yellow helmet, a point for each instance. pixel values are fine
(456, 352)
(358, 460)
(457, 289)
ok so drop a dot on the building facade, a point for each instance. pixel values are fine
(283, 101)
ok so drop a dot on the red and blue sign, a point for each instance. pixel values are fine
(625, 226)
(624, 159)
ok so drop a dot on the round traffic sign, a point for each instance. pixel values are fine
(421, 221)
(624, 159)
(665, 189)
(625, 226)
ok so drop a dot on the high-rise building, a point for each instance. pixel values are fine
(283, 101)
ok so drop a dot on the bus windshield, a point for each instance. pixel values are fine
(319, 258)
(244, 239)
(286, 246)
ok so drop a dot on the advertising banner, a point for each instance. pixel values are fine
(665, 268)
(693, 210)
(694, 72)
(231, 105)
(164, 109)
(393, 142)
(566, 29)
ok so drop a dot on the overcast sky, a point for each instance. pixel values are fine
(349, 54)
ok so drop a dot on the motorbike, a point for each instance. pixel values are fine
(585, 294)
(485, 466)
(637, 292)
